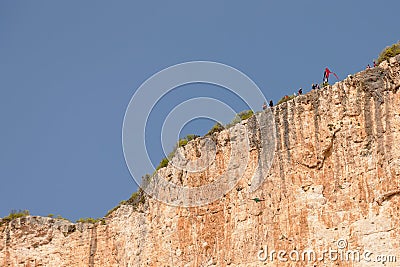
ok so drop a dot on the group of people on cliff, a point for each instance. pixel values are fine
(316, 86)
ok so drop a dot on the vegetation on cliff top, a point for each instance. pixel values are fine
(243, 115)
(138, 197)
(388, 52)
(14, 214)
(285, 99)
(181, 142)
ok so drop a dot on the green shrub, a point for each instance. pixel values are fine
(182, 142)
(123, 202)
(14, 214)
(389, 52)
(244, 115)
(235, 120)
(216, 128)
(51, 215)
(324, 84)
(137, 198)
(163, 163)
(285, 98)
(191, 137)
(61, 218)
(171, 154)
(186, 139)
(87, 220)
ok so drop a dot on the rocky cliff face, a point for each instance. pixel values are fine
(334, 184)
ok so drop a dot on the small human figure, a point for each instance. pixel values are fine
(368, 66)
(375, 64)
(286, 97)
(264, 106)
(318, 86)
(327, 72)
(313, 86)
(300, 92)
(271, 104)
(326, 75)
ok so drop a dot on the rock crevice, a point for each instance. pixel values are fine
(335, 175)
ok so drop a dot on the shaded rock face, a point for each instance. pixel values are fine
(334, 181)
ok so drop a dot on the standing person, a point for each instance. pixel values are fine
(313, 86)
(271, 104)
(327, 72)
(300, 92)
(375, 64)
(264, 106)
(326, 75)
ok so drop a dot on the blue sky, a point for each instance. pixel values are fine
(68, 70)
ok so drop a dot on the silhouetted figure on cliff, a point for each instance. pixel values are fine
(327, 72)
(300, 92)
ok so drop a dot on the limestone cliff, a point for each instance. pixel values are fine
(334, 180)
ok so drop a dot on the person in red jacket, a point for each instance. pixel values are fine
(327, 72)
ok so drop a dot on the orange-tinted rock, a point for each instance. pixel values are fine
(335, 175)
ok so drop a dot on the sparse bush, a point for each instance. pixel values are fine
(324, 84)
(123, 202)
(14, 214)
(182, 142)
(136, 198)
(285, 98)
(244, 115)
(172, 153)
(163, 163)
(389, 52)
(87, 220)
(235, 120)
(216, 128)
(61, 218)
(51, 215)
(112, 210)
(186, 139)
(191, 137)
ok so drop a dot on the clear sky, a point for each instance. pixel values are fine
(68, 70)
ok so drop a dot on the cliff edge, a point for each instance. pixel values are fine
(334, 183)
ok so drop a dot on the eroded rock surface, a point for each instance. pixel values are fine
(335, 176)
